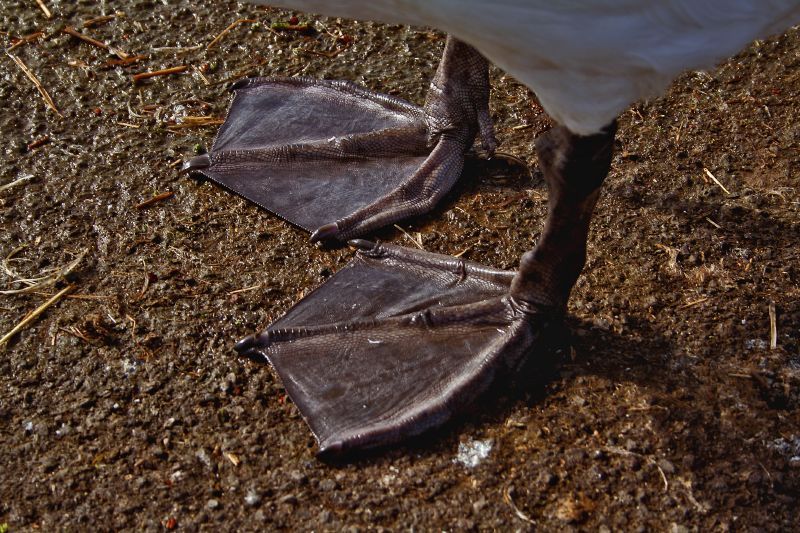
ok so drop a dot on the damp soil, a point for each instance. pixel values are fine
(123, 405)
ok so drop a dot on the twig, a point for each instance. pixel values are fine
(35, 313)
(163, 72)
(46, 11)
(693, 303)
(193, 121)
(69, 30)
(23, 179)
(202, 77)
(224, 32)
(38, 142)
(45, 96)
(155, 199)
(715, 180)
(773, 327)
(713, 223)
(96, 21)
(25, 40)
(237, 291)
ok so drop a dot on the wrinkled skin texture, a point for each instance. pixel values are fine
(341, 161)
(347, 367)
(399, 340)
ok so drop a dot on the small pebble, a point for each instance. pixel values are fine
(252, 498)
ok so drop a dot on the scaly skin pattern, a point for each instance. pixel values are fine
(339, 160)
(456, 110)
(399, 340)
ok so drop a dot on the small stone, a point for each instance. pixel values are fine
(666, 466)
(479, 505)
(298, 477)
(327, 485)
(49, 464)
(202, 455)
(546, 478)
(212, 504)
(228, 383)
(252, 498)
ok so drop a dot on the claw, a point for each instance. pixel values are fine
(323, 233)
(257, 341)
(362, 244)
(196, 163)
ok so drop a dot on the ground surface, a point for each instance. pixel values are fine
(123, 405)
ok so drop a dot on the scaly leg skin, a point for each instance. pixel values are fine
(399, 340)
(341, 161)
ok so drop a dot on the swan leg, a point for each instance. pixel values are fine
(574, 168)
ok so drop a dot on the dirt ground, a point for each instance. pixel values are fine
(123, 405)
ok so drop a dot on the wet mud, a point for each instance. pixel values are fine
(123, 406)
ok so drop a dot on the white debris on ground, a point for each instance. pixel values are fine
(789, 447)
(473, 452)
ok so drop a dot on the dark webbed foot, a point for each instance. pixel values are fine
(339, 160)
(394, 343)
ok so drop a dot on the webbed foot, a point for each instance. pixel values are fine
(339, 160)
(395, 343)
(397, 340)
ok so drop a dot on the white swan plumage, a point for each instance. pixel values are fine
(586, 60)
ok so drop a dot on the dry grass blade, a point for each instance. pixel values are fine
(51, 277)
(417, 242)
(163, 72)
(509, 500)
(35, 313)
(97, 21)
(155, 199)
(197, 122)
(69, 30)
(16, 182)
(246, 289)
(25, 40)
(44, 9)
(224, 32)
(715, 180)
(45, 95)
(773, 327)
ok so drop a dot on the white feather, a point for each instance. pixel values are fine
(586, 60)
